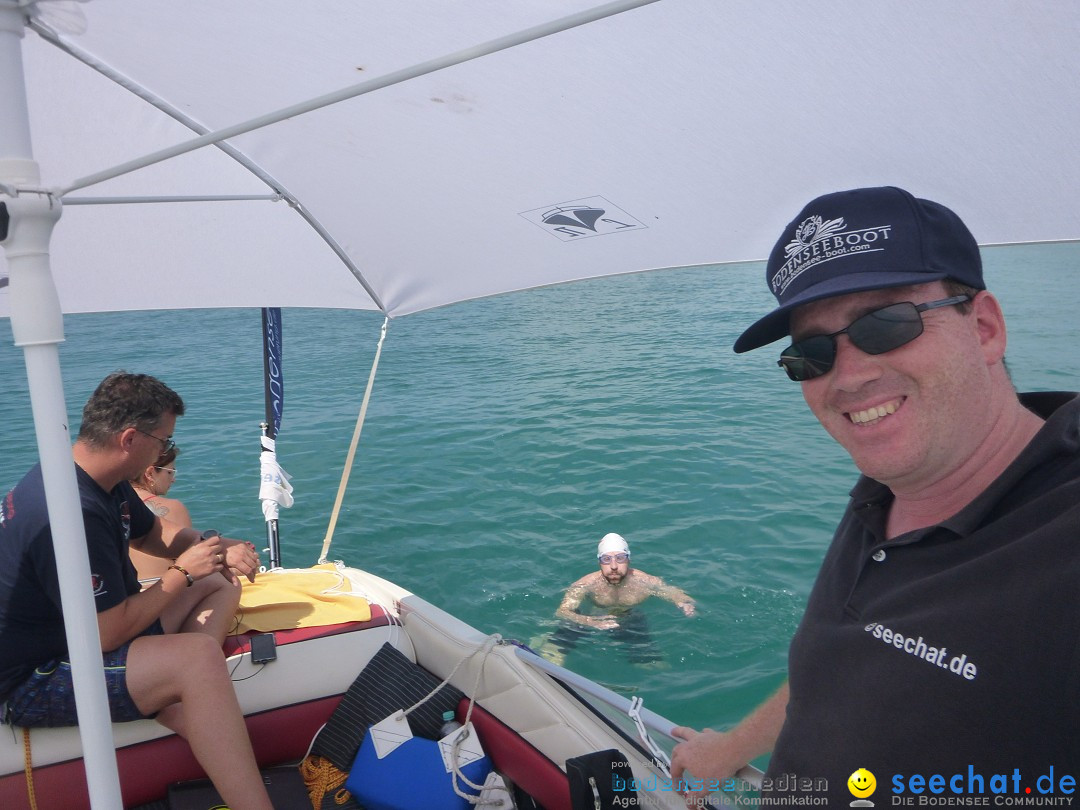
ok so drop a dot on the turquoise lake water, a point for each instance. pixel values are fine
(506, 436)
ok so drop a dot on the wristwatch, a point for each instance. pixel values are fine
(208, 534)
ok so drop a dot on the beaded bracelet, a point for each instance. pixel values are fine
(190, 578)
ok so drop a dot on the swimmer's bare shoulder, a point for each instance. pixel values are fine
(589, 583)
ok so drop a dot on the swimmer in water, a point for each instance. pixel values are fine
(615, 588)
(617, 584)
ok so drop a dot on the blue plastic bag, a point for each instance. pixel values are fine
(412, 777)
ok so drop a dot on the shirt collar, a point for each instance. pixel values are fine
(1059, 435)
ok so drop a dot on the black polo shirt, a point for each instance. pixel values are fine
(31, 618)
(951, 649)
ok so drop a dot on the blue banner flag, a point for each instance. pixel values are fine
(274, 382)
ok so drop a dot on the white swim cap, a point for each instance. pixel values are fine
(612, 544)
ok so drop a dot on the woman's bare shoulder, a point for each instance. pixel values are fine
(170, 509)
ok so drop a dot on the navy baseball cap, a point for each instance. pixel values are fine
(862, 239)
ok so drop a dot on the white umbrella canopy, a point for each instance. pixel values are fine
(682, 132)
(697, 126)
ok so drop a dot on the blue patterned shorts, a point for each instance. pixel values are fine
(47, 698)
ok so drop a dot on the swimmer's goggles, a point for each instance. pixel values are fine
(608, 559)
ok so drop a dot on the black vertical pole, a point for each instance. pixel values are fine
(274, 395)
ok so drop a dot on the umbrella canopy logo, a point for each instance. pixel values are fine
(591, 216)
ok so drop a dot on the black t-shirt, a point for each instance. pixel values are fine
(951, 649)
(31, 619)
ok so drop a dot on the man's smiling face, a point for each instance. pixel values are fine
(905, 416)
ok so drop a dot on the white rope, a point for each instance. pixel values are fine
(463, 733)
(660, 757)
(352, 447)
(486, 648)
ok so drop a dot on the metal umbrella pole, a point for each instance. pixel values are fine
(29, 214)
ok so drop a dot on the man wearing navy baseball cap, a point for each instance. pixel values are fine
(942, 635)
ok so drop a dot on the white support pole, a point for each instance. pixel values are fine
(37, 326)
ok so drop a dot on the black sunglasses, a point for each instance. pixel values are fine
(875, 332)
(166, 444)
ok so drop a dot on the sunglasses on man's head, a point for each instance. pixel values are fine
(875, 332)
(167, 444)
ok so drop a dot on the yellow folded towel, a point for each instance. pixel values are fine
(311, 597)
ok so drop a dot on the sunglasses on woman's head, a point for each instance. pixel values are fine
(875, 332)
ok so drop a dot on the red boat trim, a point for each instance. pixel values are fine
(241, 643)
(514, 756)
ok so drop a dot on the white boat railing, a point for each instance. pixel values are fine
(653, 721)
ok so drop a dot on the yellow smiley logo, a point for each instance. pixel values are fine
(861, 783)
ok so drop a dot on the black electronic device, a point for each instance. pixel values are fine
(263, 648)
